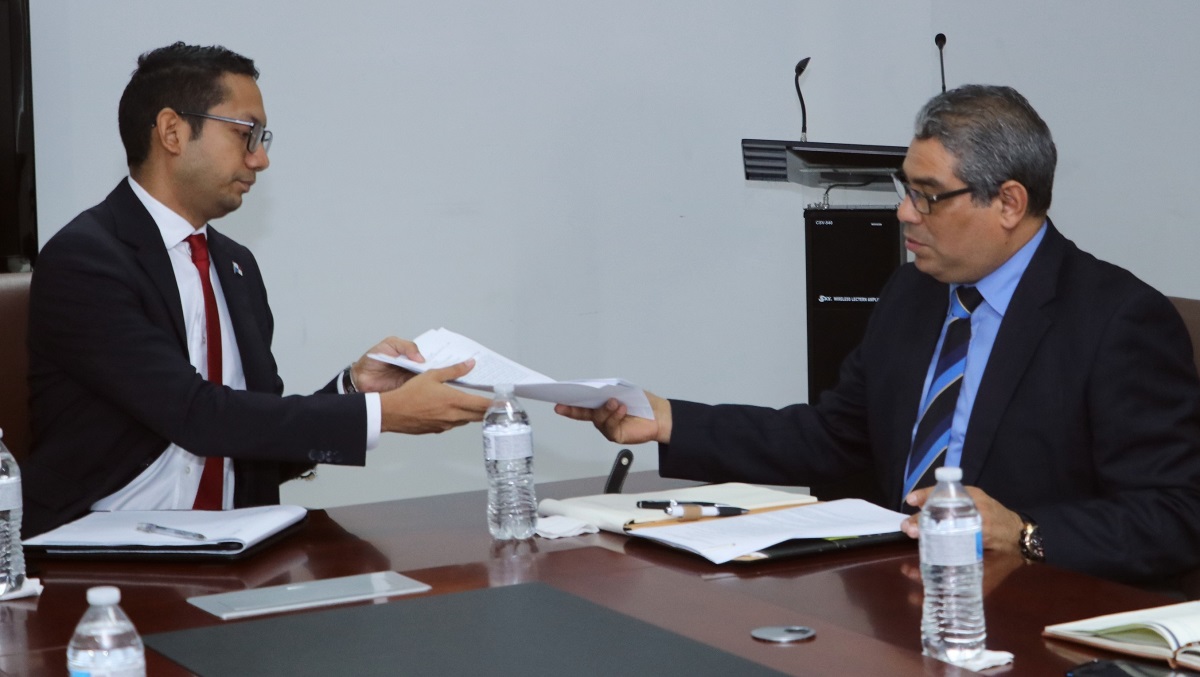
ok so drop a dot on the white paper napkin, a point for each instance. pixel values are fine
(32, 587)
(558, 526)
(986, 660)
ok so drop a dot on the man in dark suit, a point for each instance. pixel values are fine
(1076, 417)
(153, 383)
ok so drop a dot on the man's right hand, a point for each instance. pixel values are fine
(614, 422)
(425, 404)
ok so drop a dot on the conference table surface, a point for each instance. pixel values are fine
(865, 604)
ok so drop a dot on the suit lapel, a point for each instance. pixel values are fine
(1028, 318)
(135, 227)
(245, 327)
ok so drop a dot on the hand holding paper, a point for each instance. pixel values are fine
(442, 348)
(425, 405)
(373, 376)
(618, 422)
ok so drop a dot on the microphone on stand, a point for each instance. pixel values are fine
(803, 111)
(940, 41)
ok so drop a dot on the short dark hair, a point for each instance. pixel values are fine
(180, 77)
(996, 136)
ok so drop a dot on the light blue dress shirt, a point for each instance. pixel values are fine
(997, 289)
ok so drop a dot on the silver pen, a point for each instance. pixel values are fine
(168, 531)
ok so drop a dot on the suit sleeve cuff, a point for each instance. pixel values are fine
(374, 420)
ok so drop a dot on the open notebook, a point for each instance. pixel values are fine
(779, 523)
(1170, 633)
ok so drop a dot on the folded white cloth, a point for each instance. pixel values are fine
(987, 660)
(558, 526)
(31, 588)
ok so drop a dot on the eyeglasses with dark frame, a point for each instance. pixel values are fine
(258, 133)
(922, 202)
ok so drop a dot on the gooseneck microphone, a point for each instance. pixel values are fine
(940, 41)
(803, 111)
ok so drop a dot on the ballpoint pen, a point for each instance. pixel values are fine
(698, 511)
(663, 505)
(168, 531)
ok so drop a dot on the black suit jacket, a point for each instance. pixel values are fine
(111, 384)
(1086, 418)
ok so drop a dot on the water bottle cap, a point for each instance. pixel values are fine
(504, 388)
(103, 595)
(948, 474)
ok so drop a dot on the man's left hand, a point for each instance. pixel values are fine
(1001, 526)
(373, 376)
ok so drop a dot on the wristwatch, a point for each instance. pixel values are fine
(1031, 541)
(348, 386)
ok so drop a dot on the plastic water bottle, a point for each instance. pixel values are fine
(951, 542)
(12, 556)
(105, 643)
(508, 455)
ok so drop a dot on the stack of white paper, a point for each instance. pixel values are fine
(443, 348)
(725, 538)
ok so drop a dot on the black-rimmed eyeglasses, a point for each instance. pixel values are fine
(922, 202)
(258, 134)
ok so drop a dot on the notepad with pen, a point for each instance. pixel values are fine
(169, 534)
(777, 523)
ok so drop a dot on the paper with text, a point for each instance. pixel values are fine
(725, 538)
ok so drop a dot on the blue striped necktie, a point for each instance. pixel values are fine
(937, 409)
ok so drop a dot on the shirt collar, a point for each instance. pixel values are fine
(997, 287)
(171, 226)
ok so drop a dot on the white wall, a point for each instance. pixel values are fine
(1116, 82)
(563, 181)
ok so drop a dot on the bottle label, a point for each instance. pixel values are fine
(508, 444)
(10, 494)
(959, 547)
(128, 671)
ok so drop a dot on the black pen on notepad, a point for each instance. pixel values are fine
(663, 505)
(168, 531)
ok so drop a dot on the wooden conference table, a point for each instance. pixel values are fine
(863, 604)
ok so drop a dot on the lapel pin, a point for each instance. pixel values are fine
(236, 268)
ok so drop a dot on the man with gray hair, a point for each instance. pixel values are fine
(1062, 385)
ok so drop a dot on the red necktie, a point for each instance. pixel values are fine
(212, 480)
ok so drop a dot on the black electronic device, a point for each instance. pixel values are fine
(1125, 668)
(817, 164)
(18, 222)
(849, 255)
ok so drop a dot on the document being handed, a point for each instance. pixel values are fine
(442, 348)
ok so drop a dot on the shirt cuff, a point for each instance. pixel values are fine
(374, 420)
